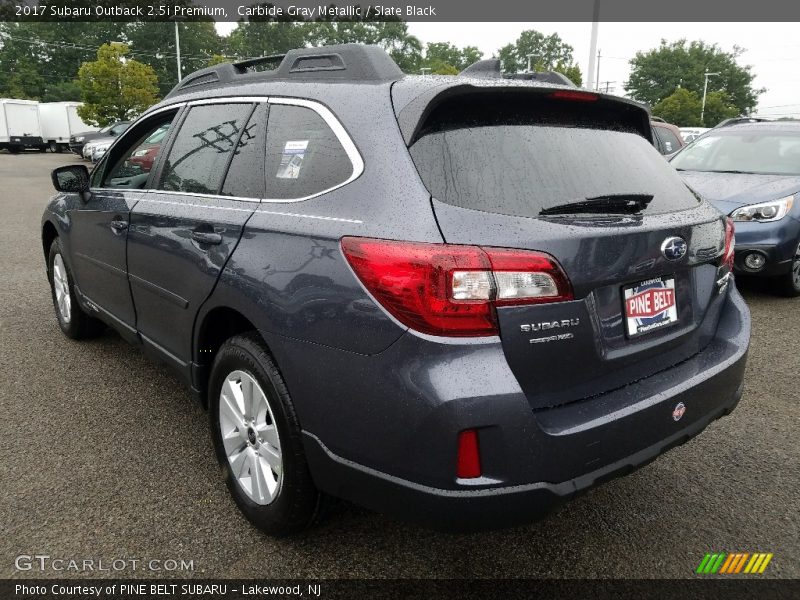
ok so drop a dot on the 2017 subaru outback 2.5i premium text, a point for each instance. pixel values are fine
(460, 300)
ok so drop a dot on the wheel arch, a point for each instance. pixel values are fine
(49, 234)
(213, 328)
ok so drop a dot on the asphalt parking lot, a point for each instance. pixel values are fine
(104, 455)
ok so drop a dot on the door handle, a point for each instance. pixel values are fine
(206, 237)
(119, 225)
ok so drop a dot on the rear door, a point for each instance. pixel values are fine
(644, 278)
(185, 227)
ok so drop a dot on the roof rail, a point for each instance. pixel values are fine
(657, 119)
(343, 62)
(491, 69)
(737, 120)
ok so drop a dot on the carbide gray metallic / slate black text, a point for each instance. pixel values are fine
(346, 271)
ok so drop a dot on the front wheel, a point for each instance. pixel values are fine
(257, 439)
(789, 284)
(74, 322)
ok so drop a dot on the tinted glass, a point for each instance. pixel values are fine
(749, 151)
(519, 158)
(668, 139)
(135, 156)
(202, 148)
(245, 176)
(304, 156)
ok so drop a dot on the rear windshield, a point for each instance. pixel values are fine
(518, 158)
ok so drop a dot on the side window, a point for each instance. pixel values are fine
(131, 163)
(245, 177)
(671, 143)
(304, 156)
(203, 146)
(659, 140)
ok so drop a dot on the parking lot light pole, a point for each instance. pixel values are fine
(705, 91)
(178, 51)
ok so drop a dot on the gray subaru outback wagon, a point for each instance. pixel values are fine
(459, 300)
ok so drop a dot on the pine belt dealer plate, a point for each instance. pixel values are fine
(650, 305)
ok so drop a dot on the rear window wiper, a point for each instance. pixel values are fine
(623, 204)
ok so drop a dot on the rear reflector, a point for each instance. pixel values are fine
(730, 243)
(468, 461)
(451, 290)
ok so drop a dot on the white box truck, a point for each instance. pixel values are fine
(59, 121)
(19, 125)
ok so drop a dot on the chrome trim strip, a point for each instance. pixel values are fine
(229, 100)
(193, 205)
(196, 195)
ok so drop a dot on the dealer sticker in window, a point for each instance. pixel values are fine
(292, 159)
(650, 305)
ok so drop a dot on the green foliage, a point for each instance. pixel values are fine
(682, 108)
(446, 59)
(657, 73)
(550, 53)
(61, 91)
(115, 87)
(217, 59)
(719, 107)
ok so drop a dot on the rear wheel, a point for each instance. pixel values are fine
(789, 284)
(44, 148)
(75, 323)
(55, 147)
(257, 439)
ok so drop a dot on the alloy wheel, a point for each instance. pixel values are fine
(250, 437)
(61, 287)
(796, 268)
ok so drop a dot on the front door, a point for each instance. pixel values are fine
(186, 226)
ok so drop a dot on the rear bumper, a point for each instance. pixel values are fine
(534, 460)
(25, 141)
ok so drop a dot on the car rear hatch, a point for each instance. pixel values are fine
(574, 175)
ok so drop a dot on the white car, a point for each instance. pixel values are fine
(692, 133)
(96, 149)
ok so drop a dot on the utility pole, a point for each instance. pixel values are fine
(178, 51)
(705, 91)
(423, 70)
(593, 45)
(597, 80)
(530, 56)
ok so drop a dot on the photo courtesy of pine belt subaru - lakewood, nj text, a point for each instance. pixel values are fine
(459, 300)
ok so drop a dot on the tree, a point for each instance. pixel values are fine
(114, 87)
(391, 35)
(547, 53)
(657, 73)
(440, 55)
(682, 107)
(718, 108)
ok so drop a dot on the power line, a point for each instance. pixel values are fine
(133, 52)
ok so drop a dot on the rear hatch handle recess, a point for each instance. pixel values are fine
(622, 204)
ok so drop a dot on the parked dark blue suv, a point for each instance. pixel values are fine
(750, 170)
(460, 300)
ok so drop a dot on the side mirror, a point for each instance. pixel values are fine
(73, 179)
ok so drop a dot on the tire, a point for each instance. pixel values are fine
(264, 465)
(75, 323)
(14, 149)
(44, 148)
(789, 284)
(55, 147)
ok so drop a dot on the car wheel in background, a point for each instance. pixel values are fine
(55, 147)
(257, 439)
(789, 284)
(75, 323)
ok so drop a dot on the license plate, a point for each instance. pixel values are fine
(650, 305)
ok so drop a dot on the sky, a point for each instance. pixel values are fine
(772, 49)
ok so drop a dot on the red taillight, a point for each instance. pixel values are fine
(730, 243)
(575, 95)
(468, 459)
(445, 289)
